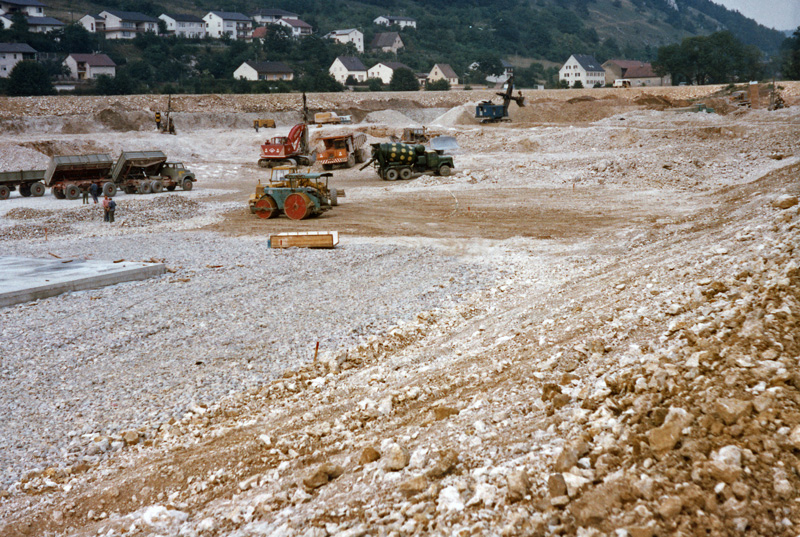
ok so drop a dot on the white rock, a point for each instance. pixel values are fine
(449, 500)
(485, 494)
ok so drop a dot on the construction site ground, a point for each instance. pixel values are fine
(590, 328)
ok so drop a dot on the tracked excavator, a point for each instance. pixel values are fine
(291, 150)
(488, 112)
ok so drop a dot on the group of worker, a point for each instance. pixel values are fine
(109, 205)
(170, 124)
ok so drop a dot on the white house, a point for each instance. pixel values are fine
(385, 70)
(252, 70)
(234, 25)
(636, 72)
(298, 28)
(272, 16)
(348, 36)
(126, 24)
(13, 53)
(584, 69)
(93, 23)
(87, 66)
(345, 66)
(387, 42)
(402, 22)
(31, 8)
(36, 25)
(184, 25)
(443, 71)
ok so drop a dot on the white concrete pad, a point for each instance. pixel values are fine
(23, 279)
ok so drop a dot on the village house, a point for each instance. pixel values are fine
(88, 66)
(252, 70)
(36, 25)
(13, 53)
(31, 8)
(389, 20)
(387, 42)
(180, 25)
(348, 36)
(584, 69)
(272, 16)
(636, 72)
(119, 24)
(385, 70)
(346, 66)
(443, 71)
(298, 28)
(235, 25)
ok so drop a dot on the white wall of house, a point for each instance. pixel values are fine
(379, 70)
(184, 28)
(340, 72)
(7, 62)
(88, 22)
(297, 31)
(216, 26)
(572, 71)
(385, 21)
(31, 11)
(437, 74)
(116, 28)
(355, 37)
(85, 71)
(246, 72)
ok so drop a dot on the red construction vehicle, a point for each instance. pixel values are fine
(289, 150)
(344, 150)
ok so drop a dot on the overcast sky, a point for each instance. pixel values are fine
(778, 14)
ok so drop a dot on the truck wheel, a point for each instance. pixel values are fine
(58, 193)
(170, 188)
(266, 208)
(187, 184)
(72, 192)
(327, 167)
(25, 190)
(37, 189)
(263, 163)
(109, 189)
(156, 186)
(144, 187)
(444, 170)
(351, 161)
(333, 197)
(405, 173)
(298, 206)
(391, 174)
(5, 192)
(129, 189)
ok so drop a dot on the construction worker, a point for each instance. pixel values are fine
(171, 127)
(158, 121)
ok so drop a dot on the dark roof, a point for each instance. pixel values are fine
(639, 71)
(393, 18)
(384, 39)
(23, 48)
(296, 23)
(588, 62)
(95, 60)
(447, 71)
(351, 63)
(183, 18)
(507, 65)
(231, 16)
(133, 16)
(269, 67)
(342, 32)
(43, 21)
(626, 64)
(394, 66)
(274, 13)
(25, 3)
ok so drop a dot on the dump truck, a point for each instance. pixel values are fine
(28, 182)
(68, 175)
(344, 150)
(401, 161)
(297, 195)
(321, 118)
(146, 172)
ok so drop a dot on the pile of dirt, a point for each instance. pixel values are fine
(390, 117)
(459, 115)
(654, 102)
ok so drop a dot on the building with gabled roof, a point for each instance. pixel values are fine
(36, 25)
(297, 27)
(346, 66)
(389, 20)
(13, 53)
(253, 70)
(272, 16)
(583, 68)
(351, 35)
(182, 25)
(31, 8)
(385, 70)
(636, 72)
(88, 66)
(443, 71)
(125, 24)
(235, 25)
(387, 42)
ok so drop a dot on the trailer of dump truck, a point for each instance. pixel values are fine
(28, 182)
(68, 175)
(146, 172)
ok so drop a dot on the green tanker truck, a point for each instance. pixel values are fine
(401, 161)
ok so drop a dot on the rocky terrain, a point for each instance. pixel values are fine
(589, 329)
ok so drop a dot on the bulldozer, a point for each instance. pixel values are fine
(488, 112)
(295, 194)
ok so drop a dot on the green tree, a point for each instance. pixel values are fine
(375, 84)
(438, 85)
(577, 84)
(29, 77)
(790, 55)
(404, 80)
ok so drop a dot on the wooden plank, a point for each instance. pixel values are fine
(302, 241)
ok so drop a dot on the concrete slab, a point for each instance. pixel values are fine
(23, 279)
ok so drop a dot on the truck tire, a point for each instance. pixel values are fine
(327, 167)
(391, 174)
(58, 193)
(25, 190)
(129, 189)
(5, 192)
(444, 170)
(351, 161)
(144, 187)
(156, 186)
(187, 184)
(405, 173)
(109, 189)
(37, 189)
(72, 192)
(263, 163)
(333, 197)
